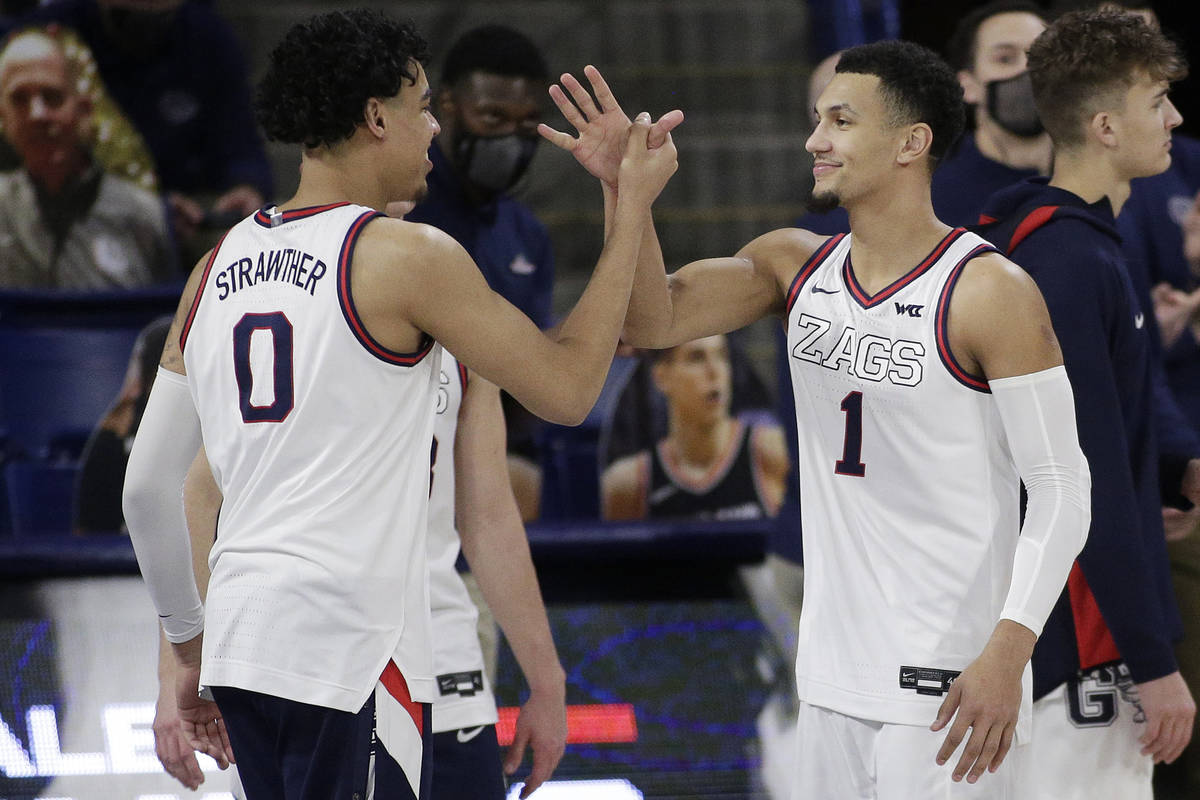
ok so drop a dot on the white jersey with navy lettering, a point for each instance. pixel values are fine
(319, 439)
(909, 493)
(464, 694)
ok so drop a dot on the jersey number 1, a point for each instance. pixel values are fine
(280, 330)
(851, 460)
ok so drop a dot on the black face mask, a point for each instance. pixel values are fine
(493, 163)
(1010, 103)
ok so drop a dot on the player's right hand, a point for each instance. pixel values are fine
(1170, 711)
(170, 745)
(645, 171)
(542, 726)
(202, 724)
(601, 124)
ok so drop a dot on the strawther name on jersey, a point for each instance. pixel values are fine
(287, 266)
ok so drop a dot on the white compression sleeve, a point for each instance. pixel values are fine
(167, 440)
(1038, 412)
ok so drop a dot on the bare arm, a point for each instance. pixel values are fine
(703, 298)
(494, 543)
(623, 488)
(440, 291)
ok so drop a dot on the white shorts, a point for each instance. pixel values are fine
(839, 757)
(1085, 740)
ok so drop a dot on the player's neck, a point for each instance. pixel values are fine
(1091, 176)
(337, 178)
(697, 446)
(887, 242)
(1018, 152)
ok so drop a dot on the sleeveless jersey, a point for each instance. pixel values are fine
(464, 694)
(731, 490)
(319, 438)
(909, 494)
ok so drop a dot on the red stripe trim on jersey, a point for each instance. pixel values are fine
(351, 313)
(1092, 636)
(187, 323)
(462, 375)
(942, 323)
(986, 219)
(809, 267)
(868, 301)
(1036, 219)
(397, 687)
(264, 219)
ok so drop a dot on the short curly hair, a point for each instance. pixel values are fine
(1087, 59)
(917, 86)
(495, 50)
(321, 75)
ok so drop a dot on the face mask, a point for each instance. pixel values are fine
(1010, 103)
(494, 163)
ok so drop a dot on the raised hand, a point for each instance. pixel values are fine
(643, 172)
(601, 124)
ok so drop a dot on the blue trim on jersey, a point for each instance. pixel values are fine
(942, 326)
(264, 219)
(870, 301)
(351, 313)
(191, 317)
(809, 267)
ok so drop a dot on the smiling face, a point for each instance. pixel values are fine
(696, 378)
(855, 142)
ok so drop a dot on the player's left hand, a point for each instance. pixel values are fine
(601, 123)
(170, 745)
(987, 698)
(1170, 711)
(541, 725)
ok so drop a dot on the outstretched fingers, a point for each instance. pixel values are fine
(583, 100)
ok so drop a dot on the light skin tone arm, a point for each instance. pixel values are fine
(702, 298)
(171, 745)
(494, 543)
(771, 461)
(410, 278)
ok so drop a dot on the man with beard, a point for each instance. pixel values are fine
(928, 385)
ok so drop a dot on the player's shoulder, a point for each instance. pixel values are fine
(390, 244)
(989, 277)
(785, 250)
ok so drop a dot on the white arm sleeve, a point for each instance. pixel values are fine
(1038, 412)
(167, 440)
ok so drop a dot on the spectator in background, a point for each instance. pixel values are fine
(710, 465)
(64, 222)
(102, 465)
(489, 101)
(1007, 143)
(177, 70)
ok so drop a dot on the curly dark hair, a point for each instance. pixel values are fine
(496, 50)
(1085, 58)
(917, 86)
(320, 77)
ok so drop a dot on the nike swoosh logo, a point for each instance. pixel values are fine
(819, 290)
(1139, 320)
(465, 735)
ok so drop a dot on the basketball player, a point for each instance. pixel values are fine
(303, 354)
(472, 510)
(710, 465)
(1109, 700)
(928, 384)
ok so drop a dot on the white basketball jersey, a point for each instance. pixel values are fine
(319, 438)
(909, 494)
(464, 694)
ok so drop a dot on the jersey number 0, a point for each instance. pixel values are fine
(284, 392)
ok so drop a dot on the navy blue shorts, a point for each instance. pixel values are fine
(466, 765)
(287, 750)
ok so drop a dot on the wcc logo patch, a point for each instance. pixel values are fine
(910, 309)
